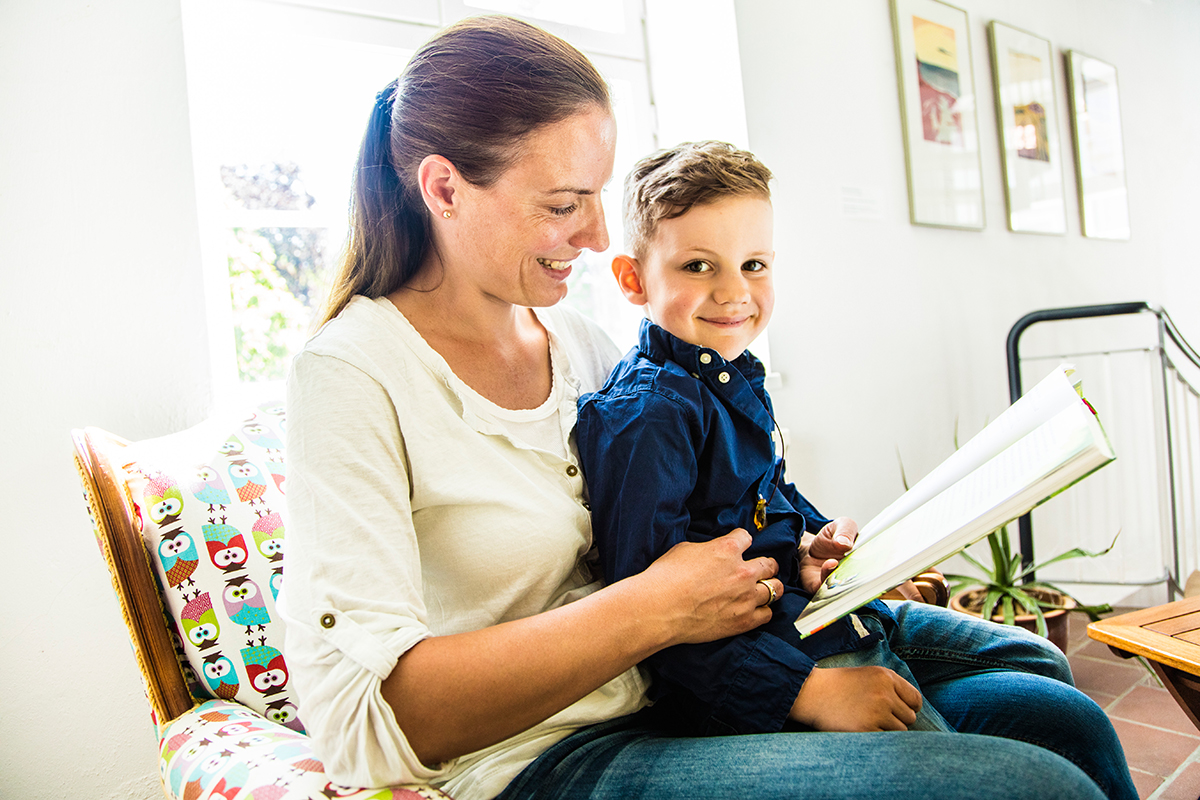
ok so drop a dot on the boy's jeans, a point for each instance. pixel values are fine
(880, 655)
(928, 645)
(981, 677)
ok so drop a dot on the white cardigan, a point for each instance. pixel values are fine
(414, 513)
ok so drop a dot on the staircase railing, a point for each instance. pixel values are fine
(1180, 414)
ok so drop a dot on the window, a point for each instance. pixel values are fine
(278, 97)
(280, 93)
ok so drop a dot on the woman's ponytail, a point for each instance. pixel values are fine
(389, 232)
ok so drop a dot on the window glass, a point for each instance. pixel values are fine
(279, 95)
(277, 116)
(597, 15)
(597, 27)
(424, 11)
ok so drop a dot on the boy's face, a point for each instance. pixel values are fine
(706, 276)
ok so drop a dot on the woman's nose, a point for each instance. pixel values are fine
(593, 233)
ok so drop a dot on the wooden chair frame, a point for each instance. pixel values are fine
(97, 458)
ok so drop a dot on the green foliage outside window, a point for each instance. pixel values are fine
(274, 284)
(276, 274)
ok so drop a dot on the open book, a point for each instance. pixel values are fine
(1045, 442)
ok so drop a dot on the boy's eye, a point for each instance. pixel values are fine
(562, 211)
(754, 266)
(697, 266)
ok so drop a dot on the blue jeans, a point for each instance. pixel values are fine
(1023, 731)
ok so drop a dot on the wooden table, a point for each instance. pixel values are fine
(1168, 636)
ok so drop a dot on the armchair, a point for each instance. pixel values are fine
(191, 527)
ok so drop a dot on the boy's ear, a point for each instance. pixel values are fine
(625, 270)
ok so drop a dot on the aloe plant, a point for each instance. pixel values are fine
(1007, 589)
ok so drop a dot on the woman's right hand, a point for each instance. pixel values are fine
(458, 693)
(707, 590)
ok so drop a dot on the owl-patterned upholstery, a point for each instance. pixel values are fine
(221, 749)
(192, 527)
(210, 503)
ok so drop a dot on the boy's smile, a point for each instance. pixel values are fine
(705, 276)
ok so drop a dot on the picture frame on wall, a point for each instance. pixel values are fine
(1099, 146)
(1028, 122)
(938, 112)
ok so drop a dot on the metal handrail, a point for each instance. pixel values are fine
(1166, 330)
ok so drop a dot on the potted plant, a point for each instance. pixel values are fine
(1001, 591)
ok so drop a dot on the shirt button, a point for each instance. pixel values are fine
(723, 377)
(587, 506)
(327, 620)
(572, 470)
(705, 358)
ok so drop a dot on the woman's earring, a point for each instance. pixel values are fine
(446, 213)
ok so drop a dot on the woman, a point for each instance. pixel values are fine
(443, 622)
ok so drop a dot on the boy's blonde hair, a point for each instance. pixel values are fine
(667, 184)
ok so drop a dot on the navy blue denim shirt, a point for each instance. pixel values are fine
(677, 446)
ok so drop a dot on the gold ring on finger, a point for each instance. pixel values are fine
(770, 589)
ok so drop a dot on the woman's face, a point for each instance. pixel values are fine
(514, 241)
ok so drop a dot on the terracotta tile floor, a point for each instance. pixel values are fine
(1161, 744)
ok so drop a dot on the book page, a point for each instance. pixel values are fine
(1054, 392)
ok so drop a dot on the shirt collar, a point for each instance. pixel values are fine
(469, 408)
(659, 345)
(557, 352)
(743, 393)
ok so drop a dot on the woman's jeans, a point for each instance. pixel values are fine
(976, 678)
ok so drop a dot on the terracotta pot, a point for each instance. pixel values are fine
(1056, 619)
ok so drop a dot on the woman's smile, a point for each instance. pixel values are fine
(558, 266)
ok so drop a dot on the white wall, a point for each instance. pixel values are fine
(101, 324)
(886, 332)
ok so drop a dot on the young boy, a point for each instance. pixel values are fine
(678, 446)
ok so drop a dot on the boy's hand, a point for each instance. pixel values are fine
(856, 699)
(820, 554)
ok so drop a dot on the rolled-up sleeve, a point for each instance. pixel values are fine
(352, 597)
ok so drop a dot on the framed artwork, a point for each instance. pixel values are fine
(1099, 150)
(938, 112)
(1027, 115)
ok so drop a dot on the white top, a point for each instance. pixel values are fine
(538, 427)
(414, 513)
